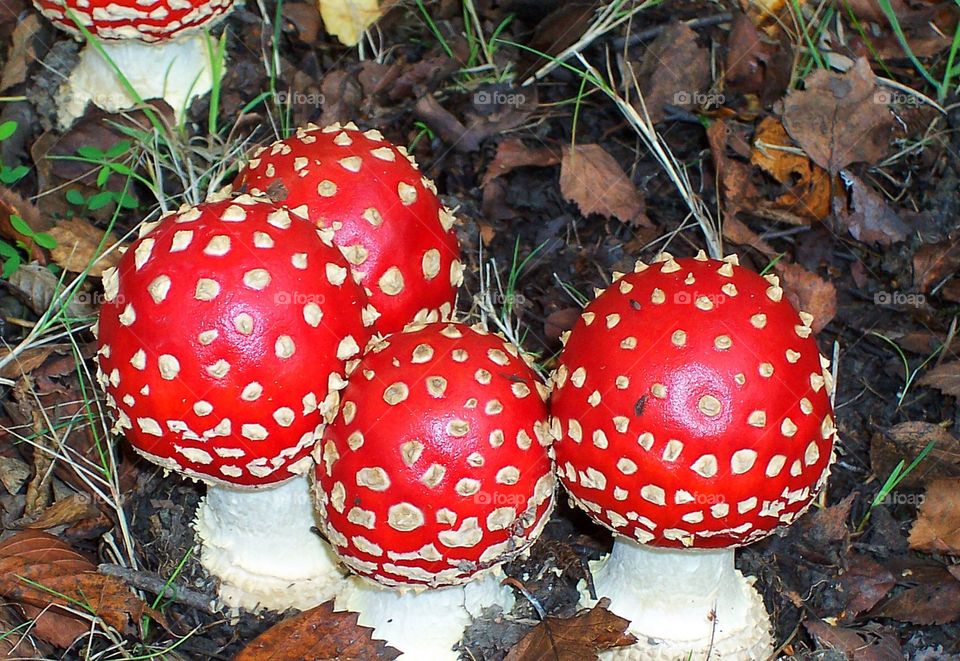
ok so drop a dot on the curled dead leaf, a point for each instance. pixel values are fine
(594, 180)
(77, 247)
(40, 571)
(512, 153)
(808, 185)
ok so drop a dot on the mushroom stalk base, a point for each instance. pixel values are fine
(176, 71)
(426, 624)
(683, 605)
(259, 543)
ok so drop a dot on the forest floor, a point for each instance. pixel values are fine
(817, 140)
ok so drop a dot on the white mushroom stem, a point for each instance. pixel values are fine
(177, 71)
(425, 624)
(259, 543)
(682, 604)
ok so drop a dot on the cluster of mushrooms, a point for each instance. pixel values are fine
(291, 343)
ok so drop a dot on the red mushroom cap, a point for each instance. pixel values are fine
(437, 466)
(133, 19)
(385, 216)
(224, 338)
(693, 406)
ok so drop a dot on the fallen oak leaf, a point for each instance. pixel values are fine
(593, 179)
(317, 635)
(836, 119)
(575, 638)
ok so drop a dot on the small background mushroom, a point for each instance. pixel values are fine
(159, 47)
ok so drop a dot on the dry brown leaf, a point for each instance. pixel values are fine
(934, 261)
(512, 153)
(71, 509)
(808, 185)
(755, 64)
(41, 571)
(945, 378)
(865, 582)
(39, 287)
(592, 178)
(837, 120)
(77, 243)
(675, 71)
(305, 19)
(575, 638)
(866, 215)
(935, 598)
(937, 529)
(737, 189)
(813, 294)
(872, 645)
(347, 19)
(905, 441)
(22, 52)
(26, 361)
(318, 634)
(14, 473)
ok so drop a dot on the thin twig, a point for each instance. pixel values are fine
(657, 30)
(156, 584)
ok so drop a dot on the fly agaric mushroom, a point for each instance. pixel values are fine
(158, 45)
(385, 216)
(695, 416)
(224, 341)
(435, 472)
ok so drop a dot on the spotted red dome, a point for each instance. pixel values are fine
(384, 214)
(437, 465)
(224, 339)
(693, 406)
